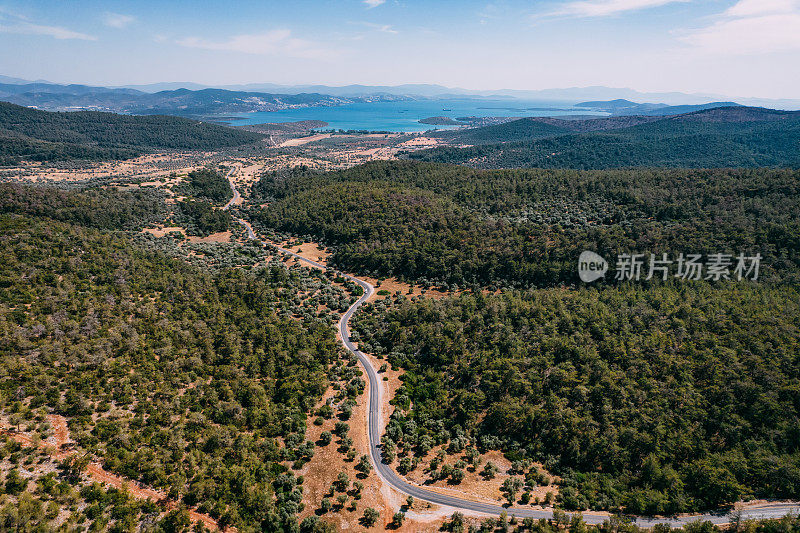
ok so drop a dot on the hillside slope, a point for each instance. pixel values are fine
(720, 137)
(30, 134)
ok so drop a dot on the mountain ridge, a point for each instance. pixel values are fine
(430, 90)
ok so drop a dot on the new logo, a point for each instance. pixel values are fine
(591, 266)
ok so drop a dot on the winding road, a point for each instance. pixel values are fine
(767, 510)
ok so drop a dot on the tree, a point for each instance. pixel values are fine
(325, 505)
(576, 524)
(456, 523)
(405, 466)
(325, 438)
(14, 482)
(369, 517)
(176, 521)
(489, 470)
(510, 487)
(309, 524)
(560, 517)
(341, 428)
(397, 519)
(364, 465)
(716, 485)
(342, 482)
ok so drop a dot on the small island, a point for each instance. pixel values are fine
(440, 121)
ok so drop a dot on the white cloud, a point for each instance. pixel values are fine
(749, 8)
(750, 27)
(11, 23)
(275, 42)
(374, 3)
(117, 20)
(605, 8)
(384, 28)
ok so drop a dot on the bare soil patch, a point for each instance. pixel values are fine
(162, 231)
(298, 141)
(223, 236)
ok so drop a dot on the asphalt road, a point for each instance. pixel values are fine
(236, 195)
(769, 510)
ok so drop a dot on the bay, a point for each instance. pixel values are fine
(405, 115)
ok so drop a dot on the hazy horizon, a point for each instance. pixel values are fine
(736, 48)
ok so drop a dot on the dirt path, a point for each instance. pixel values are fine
(305, 140)
(59, 447)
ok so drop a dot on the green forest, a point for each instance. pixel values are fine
(108, 209)
(205, 184)
(196, 368)
(32, 135)
(646, 398)
(457, 227)
(724, 137)
(193, 380)
(206, 190)
(649, 400)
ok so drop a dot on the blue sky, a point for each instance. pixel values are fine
(730, 47)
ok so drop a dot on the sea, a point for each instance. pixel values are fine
(404, 116)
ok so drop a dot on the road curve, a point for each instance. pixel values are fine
(236, 196)
(769, 510)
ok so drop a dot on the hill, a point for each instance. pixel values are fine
(171, 372)
(515, 130)
(719, 137)
(30, 134)
(179, 101)
(682, 109)
(626, 107)
(525, 228)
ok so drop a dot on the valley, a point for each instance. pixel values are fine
(316, 330)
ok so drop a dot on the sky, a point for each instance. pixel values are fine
(746, 48)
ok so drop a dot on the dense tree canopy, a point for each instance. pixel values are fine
(33, 135)
(657, 400)
(107, 208)
(190, 380)
(522, 228)
(725, 137)
(206, 184)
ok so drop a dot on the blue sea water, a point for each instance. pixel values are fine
(405, 116)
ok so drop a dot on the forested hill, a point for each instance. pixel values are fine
(515, 130)
(522, 228)
(30, 134)
(191, 380)
(720, 137)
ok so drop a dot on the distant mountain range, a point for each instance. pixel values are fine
(421, 90)
(269, 96)
(182, 102)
